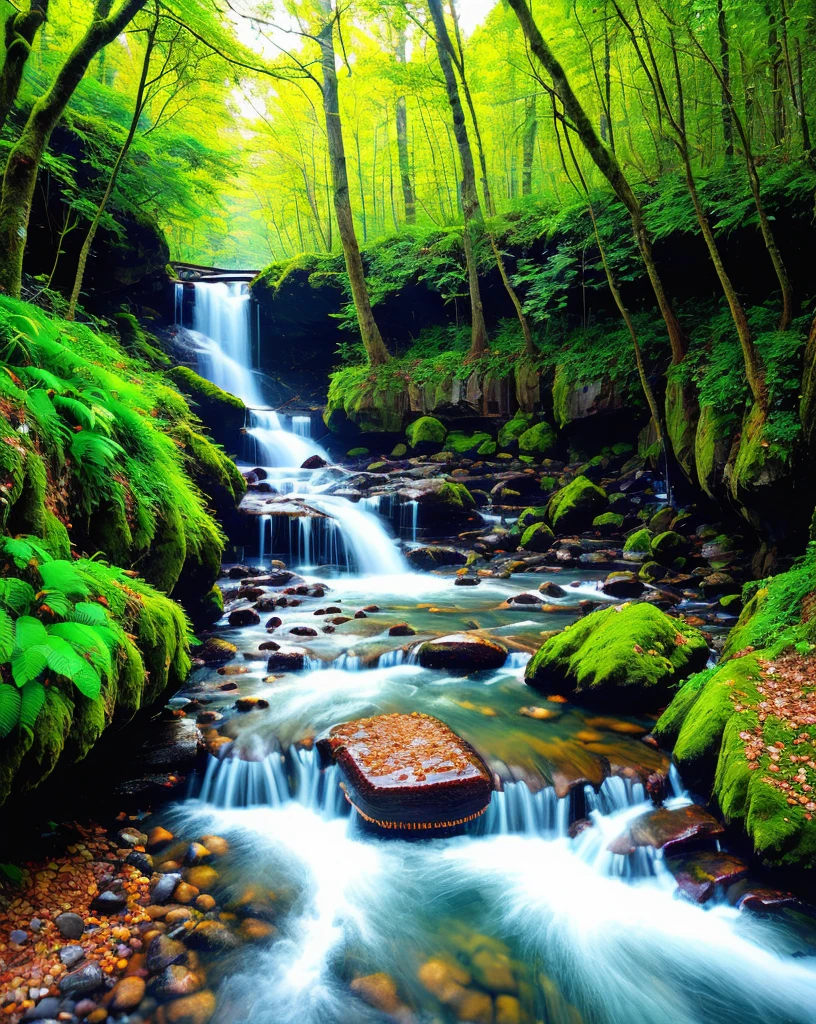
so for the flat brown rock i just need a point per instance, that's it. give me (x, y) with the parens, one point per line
(667, 829)
(409, 771)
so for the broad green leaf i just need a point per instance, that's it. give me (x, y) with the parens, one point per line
(62, 575)
(9, 708)
(88, 682)
(29, 632)
(28, 664)
(6, 635)
(33, 698)
(16, 595)
(90, 614)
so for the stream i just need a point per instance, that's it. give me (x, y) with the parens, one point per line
(521, 918)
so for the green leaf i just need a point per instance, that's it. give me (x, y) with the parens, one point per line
(33, 699)
(56, 601)
(62, 658)
(6, 636)
(29, 632)
(87, 639)
(80, 413)
(61, 575)
(19, 551)
(16, 595)
(28, 664)
(88, 682)
(9, 708)
(90, 614)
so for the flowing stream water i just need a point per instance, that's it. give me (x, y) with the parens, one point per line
(519, 919)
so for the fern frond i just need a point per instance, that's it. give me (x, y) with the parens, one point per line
(9, 708)
(32, 701)
(62, 575)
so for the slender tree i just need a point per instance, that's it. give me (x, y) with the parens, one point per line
(20, 178)
(403, 156)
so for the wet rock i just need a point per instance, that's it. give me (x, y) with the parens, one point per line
(212, 936)
(196, 853)
(45, 1009)
(71, 955)
(82, 981)
(18, 937)
(143, 862)
(402, 629)
(109, 902)
(552, 590)
(668, 829)
(164, 887)
(409, 771)
(379, 991)
(158, 837)
(127, 993)
(194, 1009)
(185, 893)
(314, 462)
(699, 875)
(623, 584)
(462, 652)
(303, 631)
(242, 617)
(253, 930)
(202, 876)
(289, 659)
(718, 584)
(176, 981)
(164, 951)
(434, 557)
(215, 651)
(251, 704)
(70, 926)
(467, 581)
(131, 837)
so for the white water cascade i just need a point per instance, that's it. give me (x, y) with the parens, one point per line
(221, 318)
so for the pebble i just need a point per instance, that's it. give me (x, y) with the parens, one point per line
(164, 887)
(162, 952)
(18, 937)
(71, 955)
(127, 993)
(48, 1007)
(70, 926)
(109, 902)
(158, 837)
(81, 981)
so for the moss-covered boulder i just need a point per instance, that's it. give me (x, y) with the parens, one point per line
(534, 514)
(608, 521)
(539, 440)
(576, 505)
(638, 546)
(513, 430)
(223, 413)
(743, 731)
(669, 545)
(538, 537)
(487, 448)
(462, 444)
(682, 412)
(443, 504)
(628, 658)
(716, 430)
(425, 430)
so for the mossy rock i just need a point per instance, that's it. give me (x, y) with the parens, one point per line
(669, 545)
(534, 514)
(425, 430)
(399, 451)
(539, 440)
(576, 505)
(487, 448)
(638, 545)
(538, 537)
(376, 467)
(651, 572)
(137, 342)
(513, 430)
(548, 484)
(461, 443)
(612, 519)
(359, 453)
(628, 658)
(223, 413)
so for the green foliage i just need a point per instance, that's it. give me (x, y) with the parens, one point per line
(576, 505)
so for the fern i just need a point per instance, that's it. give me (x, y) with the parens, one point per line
(27, 665)
(10, 702)
(89, 614)
(87, 640)
(82, 415)
(29, 632)
(16, 595)
(22, 551)
(6, 636)
(61, 575)
(32, 701)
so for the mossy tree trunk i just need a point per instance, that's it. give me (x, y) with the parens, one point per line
(84, 252)
(20, 178)
(20, 29)
(607, 163)
(470, 198)
(369, 331)
(528, 145)
(403, 157)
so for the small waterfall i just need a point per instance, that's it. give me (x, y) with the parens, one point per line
(516, 810)
(409, 519)
(517, 660)
(178, 305)
(302, 426)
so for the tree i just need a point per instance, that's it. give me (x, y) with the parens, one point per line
(20, 177)
(20, 29)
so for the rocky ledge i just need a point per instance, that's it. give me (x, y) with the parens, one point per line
(409, 772)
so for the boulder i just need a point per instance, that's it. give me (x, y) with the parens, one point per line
(538, 440)
(667, 830)
(425, 430)
(538, 537)
(623, 584)
(575, 506)
(443, 504)
(215, 651)
(462, 652)
(434, 557)
(626, 657)
(409, 772)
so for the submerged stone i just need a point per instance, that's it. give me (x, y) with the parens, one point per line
(462, 652)
(409, 771)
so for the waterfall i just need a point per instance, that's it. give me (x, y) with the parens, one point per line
(222, 319)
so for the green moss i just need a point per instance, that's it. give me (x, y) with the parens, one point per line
(614, 519)
(360, 453)
(534, 514)
(548, 484)
(399, 451)
(137, 342)
(538, 537)
(681, 423)
(204, 392)
(639, 542)
(376, 467)
(55, 536)
(669, 545)
(513, 430)
(425, 430)
(456, 495)
(487, 448)
(629, 656)
(576, 505)
(539, 440)
(457, 441)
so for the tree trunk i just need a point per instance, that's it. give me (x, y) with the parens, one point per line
(84, 252)
(402, 143)
(20, 30)
(528, 145)
(20, 178)
(470, 197)
(369, 331)
(725, 85)
(607, 164)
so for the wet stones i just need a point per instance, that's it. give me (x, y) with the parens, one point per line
(109, 902)
(462, 652)
(215, 651)
(70, 926)
(435, 557)
(163, 952)
(243, 617)
(409, 771)
(668, 829)
(287, 659)
(78, 983)
(164, 888)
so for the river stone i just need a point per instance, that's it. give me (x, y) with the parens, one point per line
(195, 1009)
(127, 993)
(164, 951)
(175, 981)
(70, 926)
(81, 981)
(669, 829)
(71, 955)
(409, 771)
(700, 875)
(215, 651)
(211, 936)
(165, 886)
(289, 659)
(143, 862)
(244, 617)
(109, 902)
(435, 557)
(45, 1009)
(462, 652)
